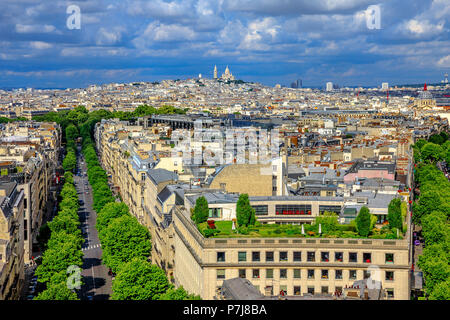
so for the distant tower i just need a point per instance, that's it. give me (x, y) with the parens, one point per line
(385, 86)
(215, 72)
(446, 78)
(329, 86)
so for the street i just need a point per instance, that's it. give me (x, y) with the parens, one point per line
(96, 281)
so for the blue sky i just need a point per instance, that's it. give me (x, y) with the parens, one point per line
(268, 41)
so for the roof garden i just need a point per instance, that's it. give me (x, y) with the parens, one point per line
(224, 229)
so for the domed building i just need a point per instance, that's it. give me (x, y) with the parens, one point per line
(425, 99)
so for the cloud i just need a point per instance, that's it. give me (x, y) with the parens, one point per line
(40, 45)
(444, 62)
(109, 37)
(21, 28)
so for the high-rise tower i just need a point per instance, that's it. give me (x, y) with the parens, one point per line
(215, 72)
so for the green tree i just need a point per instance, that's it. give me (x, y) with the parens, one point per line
(201, 210)
(109, 212)
(139, 280)
(123, 240)
(70, 161)
(394, 215)
(178, 294)
(441, 291)
(434, 265)
(58, 257)
(57, 291)
(328, 221)
(435, 228)
(245, 214)
(432, 152)
(363, 222)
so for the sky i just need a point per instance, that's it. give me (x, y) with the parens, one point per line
(266, 41)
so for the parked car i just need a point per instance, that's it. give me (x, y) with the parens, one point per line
(30, 297)
(417, 243)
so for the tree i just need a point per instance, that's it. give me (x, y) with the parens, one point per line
(435, 228)
(441, 291)
(57, 291)
(139, 280)
(245, 214)
(432, 152)
(70, 161)
(328, 221)
(201, 210)
(178, 294)
(123, 240)
(363, 222)
(58, 257)
(434, 264)
(65, 223)
(394, 216)
(109, 212)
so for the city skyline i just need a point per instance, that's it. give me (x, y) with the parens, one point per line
(261, 42)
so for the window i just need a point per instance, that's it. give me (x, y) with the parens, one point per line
(366, 274)
(269, 273)
(283, 273)
(325, 256)
(338, 257)
(311, 256)
(310, 274)
(283, 256)
(297, 256)
(297, 273)
(215, 213)
(269, 290)
(221, 256)
(311, 290)
(274, 188)
(390, 293)
(255, 256)
(261, 210)
(389, 258)
(25, 203)
(242, 256)
(367, 257)
(352, 274)
(255, 273)
(390, 275)
(335, 209)
(352, 257)
(324, 290)
(242, 273)
(338, 274)
(143, 176)
(220, 273)
(269, 256)
(324, 274)
(290, 209)
(297, 290)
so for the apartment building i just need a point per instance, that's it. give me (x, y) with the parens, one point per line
(11, 241)
(294, 266)
(29, 154)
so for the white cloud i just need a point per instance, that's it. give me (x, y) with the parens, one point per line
(109, 37)
(40, 45)
(444, 62)
(22, 28)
